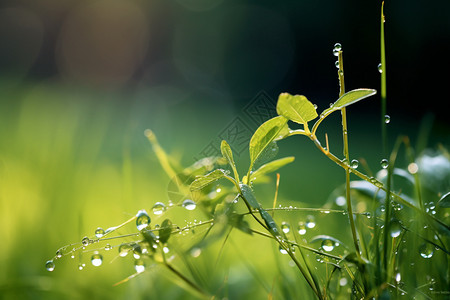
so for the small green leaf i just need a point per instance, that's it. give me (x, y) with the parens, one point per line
(165, 231)
(296, 108)
(444, 201)
(228, 154)
(202, 181)
(270, 131)
(271, 167)
(349, 98)
(248, 195)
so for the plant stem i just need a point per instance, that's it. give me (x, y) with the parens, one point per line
(383, 82)
(346, 155)
(186, 280)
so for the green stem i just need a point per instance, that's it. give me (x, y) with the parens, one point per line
(383, 83)
(346, 155)
(186, 280)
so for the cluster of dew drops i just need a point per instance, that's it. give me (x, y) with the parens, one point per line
(142, 221)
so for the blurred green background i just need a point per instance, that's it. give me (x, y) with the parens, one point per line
(80, 81)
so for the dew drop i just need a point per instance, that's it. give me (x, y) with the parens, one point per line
(58, 254)
(50, 265)
(282, 250)
(426, 250)
(108, 247)
(81, 266)
(139, 265)
(158, 208)
(336, 64)
(285, 227)
(340, 201)
(96, 259)
(310, 221)
(124, 249)
(354, 163)
(395, 229)
(387, 119)
(189, 204)
(336, 49)
(195, 252)
(85, 241)
(384, 163)
(327, 245)
(99, 232)
(413, 168)
(301, 228)
(380, 68)
(142, 220)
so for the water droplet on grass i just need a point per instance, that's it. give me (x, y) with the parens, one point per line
(426, 250)
(336, 64)
(142, 220)
(139, 265)
(108, 247)
(58, 254)
(96, 259)
(380, 68)
(282, 250)
(85, 241)
(354, 164)
(189, 204)
(395, 229)
(327, 245)
(301, 228)
(310, 221)
(387, 119)
(158, 208)
(99, 232)
(336, 49)
(124, 249)
(384, 163)
(50, 265)
(285, 227)
(81, 266)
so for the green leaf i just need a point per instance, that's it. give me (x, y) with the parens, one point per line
(348, 99)
(228, 154)
(444, 201)
(238, 221)
(248, 195)
(202, 181)
(270, 131)
(271, 167)
(296, 108)
(165, 231)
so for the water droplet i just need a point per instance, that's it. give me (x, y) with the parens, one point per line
(108, 247)
(336, 49)
(50, 265)
(195, 252)
(315, 106)
(310, 221)
(380, 68)
(340, 201)
(413, 168)
(158, 208)
(282, 250)
(85, 241)
(124, 249)
(96, 259)
(395, 229)
(426, 250)
(142, 220)
(301, 228)
(398, 277)
(285, 227)
(99, 232)
(343, 281)
(139, 265)
(336, 64)
(189, 204)
(354, 163)
(327, 245)
(387, 119)
(58, 254)
(81, 266)
(384, 163)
